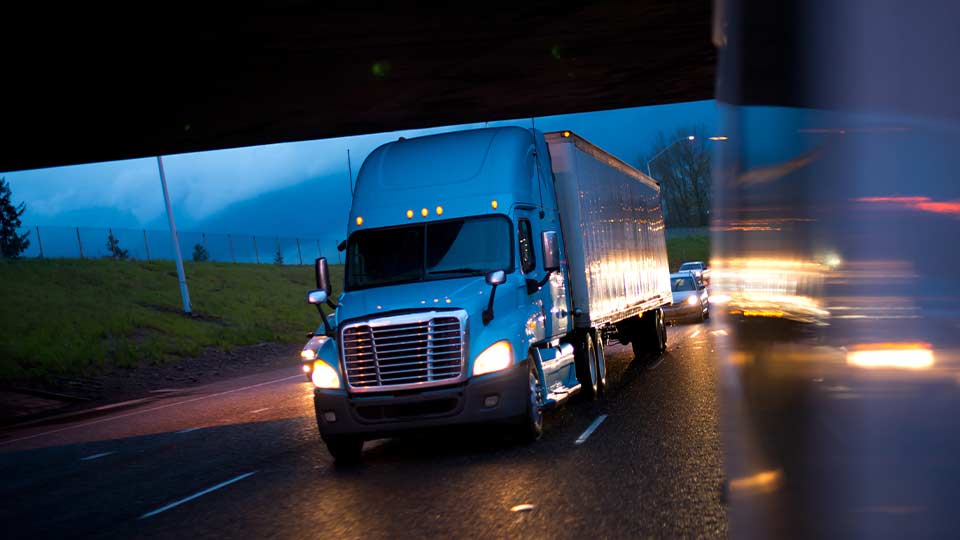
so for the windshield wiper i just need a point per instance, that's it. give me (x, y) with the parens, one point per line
(458, 271)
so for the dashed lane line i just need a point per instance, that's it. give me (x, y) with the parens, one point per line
(177, 503)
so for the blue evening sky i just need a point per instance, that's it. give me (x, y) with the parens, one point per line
(291, 189)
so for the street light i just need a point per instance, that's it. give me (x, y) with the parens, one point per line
(688, 138)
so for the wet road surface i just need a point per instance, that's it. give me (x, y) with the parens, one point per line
(243, 459)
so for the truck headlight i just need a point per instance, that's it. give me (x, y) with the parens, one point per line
(324, 376)
(308, 354)
(494, 358)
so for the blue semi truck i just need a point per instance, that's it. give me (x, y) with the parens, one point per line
(484, 272)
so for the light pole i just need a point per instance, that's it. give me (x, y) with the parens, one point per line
(688, 138)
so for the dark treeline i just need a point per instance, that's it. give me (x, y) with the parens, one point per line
(682, 166)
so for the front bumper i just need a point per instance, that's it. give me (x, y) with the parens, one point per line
(682, 311)
(380, 415)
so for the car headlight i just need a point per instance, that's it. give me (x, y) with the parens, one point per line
(324, 376)
(494, 358)
(692, 300)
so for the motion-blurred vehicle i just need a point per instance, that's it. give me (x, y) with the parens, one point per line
(690, 298)
(484, 271)
(699, 269)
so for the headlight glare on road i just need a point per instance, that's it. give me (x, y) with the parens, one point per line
(324, 376)
(692, 300)
(494, 358)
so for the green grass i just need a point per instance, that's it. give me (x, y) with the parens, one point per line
(690, 248)
(64, 317)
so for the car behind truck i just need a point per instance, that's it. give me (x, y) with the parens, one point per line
(484, 272)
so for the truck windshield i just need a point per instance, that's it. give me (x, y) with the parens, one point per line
(441, 250)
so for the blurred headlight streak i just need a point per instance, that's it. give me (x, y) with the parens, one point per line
(891, 356)
(762, 482)
(771, 287)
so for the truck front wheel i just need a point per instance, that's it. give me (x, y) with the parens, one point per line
(345, 449)
(530, 426)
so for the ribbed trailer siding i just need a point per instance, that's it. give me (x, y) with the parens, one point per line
(613, 228)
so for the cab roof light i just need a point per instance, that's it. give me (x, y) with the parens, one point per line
(424, 212)
(359, 221)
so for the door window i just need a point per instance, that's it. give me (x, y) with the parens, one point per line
(528, 259)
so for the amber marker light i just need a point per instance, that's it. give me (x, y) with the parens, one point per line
(409, 214)
(424, 212)
(359, 221)
(566, 133)
(439, 210)
(494, 204)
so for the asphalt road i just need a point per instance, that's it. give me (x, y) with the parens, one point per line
(243, 459)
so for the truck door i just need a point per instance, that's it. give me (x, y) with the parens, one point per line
(551, 298)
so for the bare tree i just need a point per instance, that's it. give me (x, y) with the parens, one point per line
(682, 166)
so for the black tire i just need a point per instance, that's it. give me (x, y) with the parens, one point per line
(662, 331)
(702, 316)
(345, 449)
(585, 358)
(530, 426)
(601, 368)
(650, 336)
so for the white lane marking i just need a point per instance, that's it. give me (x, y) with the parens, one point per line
(695, 334)
(260, 410)
(596, 423)
(197, 494)
(133, 413)
(121, 404)
(96, 456)
(188, 430)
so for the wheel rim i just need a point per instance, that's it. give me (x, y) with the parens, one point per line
(592, 354)
(601, 367)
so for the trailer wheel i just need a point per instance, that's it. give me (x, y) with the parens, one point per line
(585, 358)
(601, 369)
(345, 450)
(530, 427)
(650, 335)
(662, 332)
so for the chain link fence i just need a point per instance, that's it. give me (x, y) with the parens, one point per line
(146, 244)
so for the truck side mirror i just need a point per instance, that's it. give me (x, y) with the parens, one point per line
(317, 297)
(322, 275)
(551, 251)
(496, 277)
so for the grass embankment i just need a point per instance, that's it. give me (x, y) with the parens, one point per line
(689, 248)
(64, 317)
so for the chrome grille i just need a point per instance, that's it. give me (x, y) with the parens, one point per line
(415, 350)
